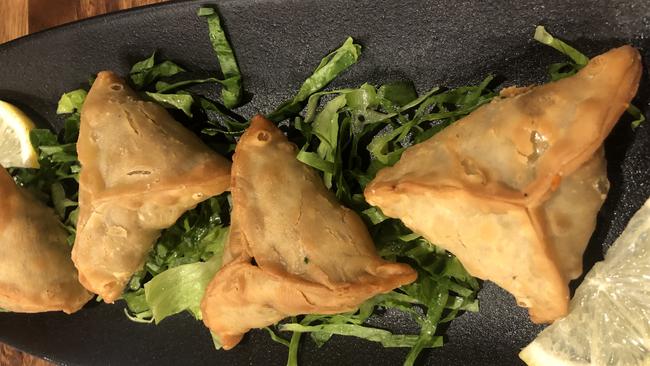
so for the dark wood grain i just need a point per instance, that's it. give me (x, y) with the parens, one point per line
(21, 17)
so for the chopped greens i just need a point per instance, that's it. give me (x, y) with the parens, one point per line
(387, 126)
(541, 35)
(232, 92)
(56, 182)
(163, 87)
(277, 338)
(72, 101)
(181, 288)
(637, 116)
(386, 338)
(183, 261)
(153, 79)
(329, 68)
(147, 71)
(182, 101)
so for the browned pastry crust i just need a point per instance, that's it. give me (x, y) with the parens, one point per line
(312, 255)
(514, 188)
(141, 170)
(36, 272)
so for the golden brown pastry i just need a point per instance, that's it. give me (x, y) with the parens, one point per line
(513, 189)
(141, 170)
(36, 273)
(311, 255)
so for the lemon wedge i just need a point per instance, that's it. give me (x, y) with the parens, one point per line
(16, 150)
(609, 317)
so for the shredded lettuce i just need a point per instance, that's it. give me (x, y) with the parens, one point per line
(164, 87)
(144, 65)
(541, 35)
(71, 102)
(232, 91)
(276, 338)
(637, 116)
(147, 71)
(386, 338)
(182, 288)
(56, 182)
(329, 68)
(216, 341)
(294, 344)
(182, 101)
(183, 261)
(385, 124)
(171, 86)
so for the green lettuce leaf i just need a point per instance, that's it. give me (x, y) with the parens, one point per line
(542, 36)
(180, 101)
(56, 182)
(71, 102)
(163, 87)
(637, 116)
(232, 91)
(182, 288)
(384, 337)
(144, 65)
(232, 124)
(329, 68)
(276, 338)
(183, 261)
(147, 71)
(216, 341)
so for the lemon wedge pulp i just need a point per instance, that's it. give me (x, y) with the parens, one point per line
(16, 150)
(609, 317)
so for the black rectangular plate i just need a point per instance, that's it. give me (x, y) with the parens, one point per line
(278, 43)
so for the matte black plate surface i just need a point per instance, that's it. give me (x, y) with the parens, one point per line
(278, 43)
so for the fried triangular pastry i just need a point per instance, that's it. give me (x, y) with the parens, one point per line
(140, 171)
(293, 249)
(36, 272)
(514, 188)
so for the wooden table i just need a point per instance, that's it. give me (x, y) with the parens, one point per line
(21, 17)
